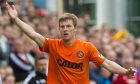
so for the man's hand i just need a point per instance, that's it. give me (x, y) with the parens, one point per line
(11, 9)
(131, 72)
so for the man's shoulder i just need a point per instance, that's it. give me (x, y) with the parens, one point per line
(86, 43)
(52, 40)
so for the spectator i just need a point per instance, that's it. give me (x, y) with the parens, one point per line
(19, 62)
(3, 47)
(9, 70)
(9, 79)
(39, 75)
(137, 65)
(2, 73)
(105, 77)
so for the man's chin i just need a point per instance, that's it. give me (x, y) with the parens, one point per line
(66, 39)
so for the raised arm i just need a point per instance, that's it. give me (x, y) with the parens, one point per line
(116, 68)
(27, 29)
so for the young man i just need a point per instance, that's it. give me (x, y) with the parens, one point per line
(39, 75)
(69, 56)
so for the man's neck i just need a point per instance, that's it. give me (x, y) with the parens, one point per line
(70, 42)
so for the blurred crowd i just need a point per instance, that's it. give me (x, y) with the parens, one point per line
(18, 52)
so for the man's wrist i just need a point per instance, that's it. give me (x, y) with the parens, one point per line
(14, 19)
(125, 72)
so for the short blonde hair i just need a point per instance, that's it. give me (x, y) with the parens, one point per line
(69, 16)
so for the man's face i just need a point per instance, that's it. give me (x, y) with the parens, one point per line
(67, 29)
(41, 66)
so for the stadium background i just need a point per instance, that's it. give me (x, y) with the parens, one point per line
(112, 25)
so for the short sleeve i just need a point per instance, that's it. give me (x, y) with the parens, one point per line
(95, 56)
(45, 48)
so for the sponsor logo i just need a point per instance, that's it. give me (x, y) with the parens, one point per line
(69, 64)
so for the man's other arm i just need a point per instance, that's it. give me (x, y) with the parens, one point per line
(116, 68)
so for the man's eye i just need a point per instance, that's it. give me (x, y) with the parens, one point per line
(68, 25)
(62, 26)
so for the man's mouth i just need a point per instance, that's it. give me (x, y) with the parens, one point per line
(65, 34)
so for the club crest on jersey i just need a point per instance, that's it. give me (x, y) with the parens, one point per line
(80, 54)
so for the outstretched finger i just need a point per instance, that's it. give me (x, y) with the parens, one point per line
(132, 70)
(7, 5)
(11, 4)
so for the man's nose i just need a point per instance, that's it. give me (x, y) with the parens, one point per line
(65, 28)
(44, 67)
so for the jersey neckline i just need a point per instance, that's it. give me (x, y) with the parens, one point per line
(72, 46)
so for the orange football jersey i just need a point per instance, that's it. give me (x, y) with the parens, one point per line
(70, 64)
